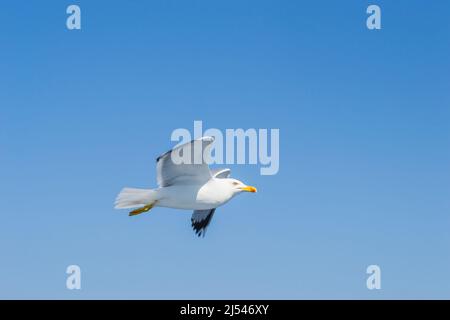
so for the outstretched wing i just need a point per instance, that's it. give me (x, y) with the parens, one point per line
(189, 164)
(200, 221)
(221, 173)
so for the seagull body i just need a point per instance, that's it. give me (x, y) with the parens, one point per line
(189, 185)
(210, 195)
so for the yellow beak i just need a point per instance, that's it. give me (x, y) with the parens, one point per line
(249, 189)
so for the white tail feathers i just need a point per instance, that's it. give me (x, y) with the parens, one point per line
(132, 197)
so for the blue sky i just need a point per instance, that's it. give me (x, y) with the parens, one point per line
(364, 147)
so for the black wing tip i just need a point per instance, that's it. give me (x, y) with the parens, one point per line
(201, 226)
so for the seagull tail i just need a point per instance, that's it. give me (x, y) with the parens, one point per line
(132, 198)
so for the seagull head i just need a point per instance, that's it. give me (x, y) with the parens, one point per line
(238, 186)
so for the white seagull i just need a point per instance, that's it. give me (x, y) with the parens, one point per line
(188, 186)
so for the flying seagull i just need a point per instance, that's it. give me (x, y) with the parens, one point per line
(188, 185)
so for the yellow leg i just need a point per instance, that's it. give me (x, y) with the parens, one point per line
(142, 209)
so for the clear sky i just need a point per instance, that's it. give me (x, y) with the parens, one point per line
(364, 147)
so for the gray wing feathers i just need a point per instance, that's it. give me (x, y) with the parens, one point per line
(169, 172)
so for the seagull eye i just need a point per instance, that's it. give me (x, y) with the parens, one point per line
(235, 183)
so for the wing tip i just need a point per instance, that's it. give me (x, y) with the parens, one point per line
(207, 138)
(221, 173)
(200, 226)
(204, 138)
(163, 155)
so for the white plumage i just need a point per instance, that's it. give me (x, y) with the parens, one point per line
(189, 185)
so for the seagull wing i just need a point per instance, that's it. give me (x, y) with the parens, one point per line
(169, 172)
(221, 173)
(200, 221)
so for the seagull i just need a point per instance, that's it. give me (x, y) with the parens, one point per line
(187, 185)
